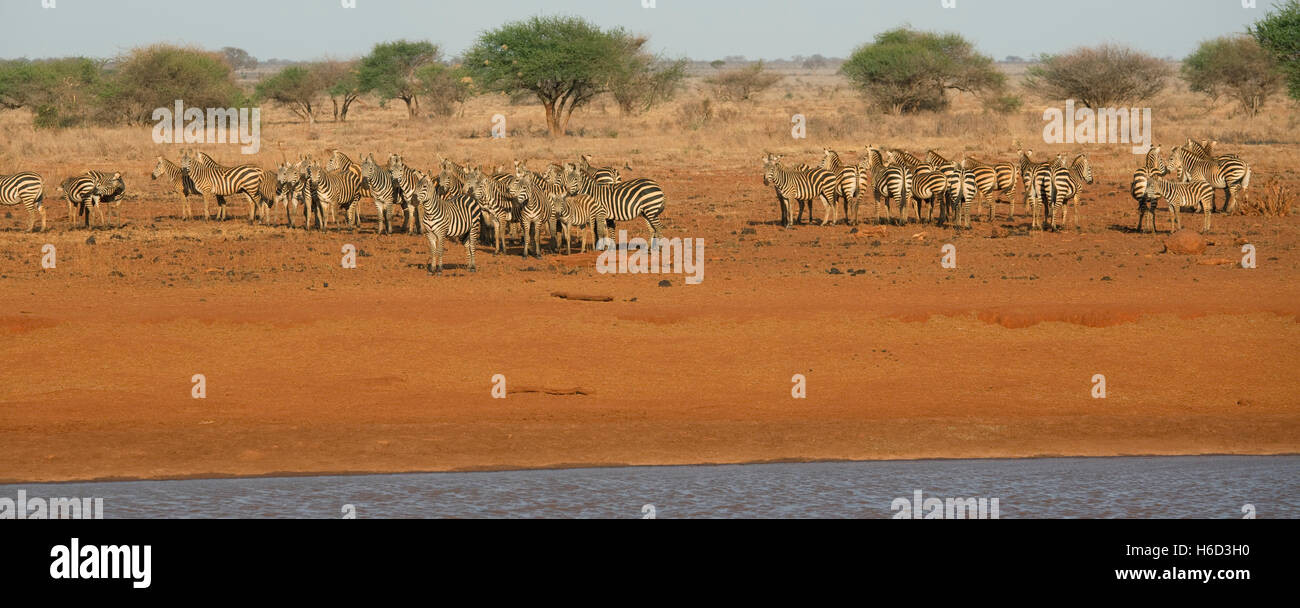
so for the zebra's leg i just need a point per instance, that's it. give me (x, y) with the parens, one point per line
(469, 246)
(1206, 228)
(434, 255)
(1078, 219)
(1174, 224)
(524, 253)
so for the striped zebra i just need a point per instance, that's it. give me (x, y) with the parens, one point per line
(405, 183)
(79, 190)
(888, 183)
(1146, 203)
(270, 194)
(26, 189)
(929, 185)
(962, 191)
(997, 181)
(286, 184)
(1229, 173)
(578, 211)
(1152, 165)
(603, 175)
(383, 189)
(498, 208)
(621, 202)
(342, 162)
(936, 160)
(1180, 195)
(335, 189)
(175, 180)
(109, 191)
(454, 217)
(537, 208)
(1079, 172)
(802, 185)
(215, 180)
(848, 183)
(1030, 171)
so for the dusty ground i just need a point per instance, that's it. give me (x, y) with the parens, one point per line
(314, 368)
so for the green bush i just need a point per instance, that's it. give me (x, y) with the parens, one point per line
(907, 71)
(1236, 67)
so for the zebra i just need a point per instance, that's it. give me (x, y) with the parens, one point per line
(848, 182)
(578, 210)
(1179, 195)
(212, 179)
(177, 181)
(623, 201)
(897, 156)
(28, 189)
(340, 189)
(1080, 172)
(929, 185)
(891, 183)
(286, 190)
(269, 194)
(405, 182)
(603, 175)
(383, 189)
(1146, 204)
(455, 217)
(1152, 165)
(962, 190)
(537, 208)
(108, 189)
(802, 185)
(498, 207)
(1227, 172)
(79, 190)
(997, 180)
(342, 162)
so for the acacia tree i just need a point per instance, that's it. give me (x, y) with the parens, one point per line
(1235, 66)
(1102, 76)
(343, 85)
(564, 61)
(1279, 34)
(390, 71)
(644, 79)
(296, 87)
(155, 76)
(444, 86)
(905, 70)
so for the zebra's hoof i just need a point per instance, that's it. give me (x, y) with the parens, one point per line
(473, 268)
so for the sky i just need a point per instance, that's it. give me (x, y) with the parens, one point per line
(697, 29)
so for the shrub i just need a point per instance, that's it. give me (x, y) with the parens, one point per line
(1103, 76)
(1236, 67)
(907, 71)
(742, 84)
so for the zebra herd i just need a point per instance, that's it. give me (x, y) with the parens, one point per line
(454, 202)
(1199, 172)
(900, 183)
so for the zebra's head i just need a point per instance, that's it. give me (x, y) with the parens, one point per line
(396, 165)
(159, 169)
(554, 174)
(369, 168)
(113, 186)
(771, 163)
(424, 189)
(572, 179)
(1177, 156)
(520, 185)
(286, 174)
(1084, 167)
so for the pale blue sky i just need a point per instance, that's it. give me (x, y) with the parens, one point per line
(699, 29)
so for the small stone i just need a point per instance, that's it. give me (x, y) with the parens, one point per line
(665, 283)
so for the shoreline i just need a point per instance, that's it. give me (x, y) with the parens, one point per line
(598, 466)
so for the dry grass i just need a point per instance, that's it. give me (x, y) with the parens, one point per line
(1273, 200)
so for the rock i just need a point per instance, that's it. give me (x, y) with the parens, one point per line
(90, 240)
(665, 283)
(1185, 242)
(748, 231)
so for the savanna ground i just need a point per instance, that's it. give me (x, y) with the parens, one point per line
(313, 368)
